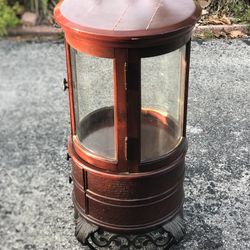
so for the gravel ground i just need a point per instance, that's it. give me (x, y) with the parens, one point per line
(35, 198)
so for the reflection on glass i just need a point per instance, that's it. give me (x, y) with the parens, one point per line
(93, 102)
(163, 82)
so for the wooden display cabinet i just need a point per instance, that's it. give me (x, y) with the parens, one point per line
(128, 68)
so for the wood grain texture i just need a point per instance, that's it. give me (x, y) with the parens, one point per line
(125, 23)
(128, 15)
(128, 202)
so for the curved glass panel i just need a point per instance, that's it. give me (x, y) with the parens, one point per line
(94, 103)
(163, 83)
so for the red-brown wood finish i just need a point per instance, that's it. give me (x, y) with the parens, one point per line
(133, 102)
(127, 194)
(188, 49)
(121, 21)
(132, 202)
(70, 91)
(120, 108)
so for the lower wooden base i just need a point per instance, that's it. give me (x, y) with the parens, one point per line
(161, 238)
(129, 203)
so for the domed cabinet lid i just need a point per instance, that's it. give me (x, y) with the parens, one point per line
(126, 18)
(130, 22)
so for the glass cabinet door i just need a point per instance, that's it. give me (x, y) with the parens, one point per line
(94, 103)
(162, 86)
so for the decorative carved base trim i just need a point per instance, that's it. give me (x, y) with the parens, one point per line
(83, 228)
(161, 238)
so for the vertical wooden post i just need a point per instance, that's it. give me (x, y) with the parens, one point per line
(120, 108)
(127, 88)
(188, 49)
(133, 90)
(70, 89)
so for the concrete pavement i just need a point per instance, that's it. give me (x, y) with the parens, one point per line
(36, 211)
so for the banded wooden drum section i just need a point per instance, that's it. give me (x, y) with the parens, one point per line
(128, 64)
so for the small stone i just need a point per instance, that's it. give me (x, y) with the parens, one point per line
(29, 247)
(205, 12)
(210, 190)
(212, 184)
(204, 3)
(29, 19)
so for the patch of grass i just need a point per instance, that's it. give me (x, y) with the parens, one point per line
(8, 17)
(203, 35)
(248, 27)
(208, 34)
(237, 9)
(241, 11)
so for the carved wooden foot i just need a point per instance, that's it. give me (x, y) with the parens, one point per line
(176, 228)
(161, 238)
(83, 228)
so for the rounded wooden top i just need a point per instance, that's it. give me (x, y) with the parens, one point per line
(126, 18)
